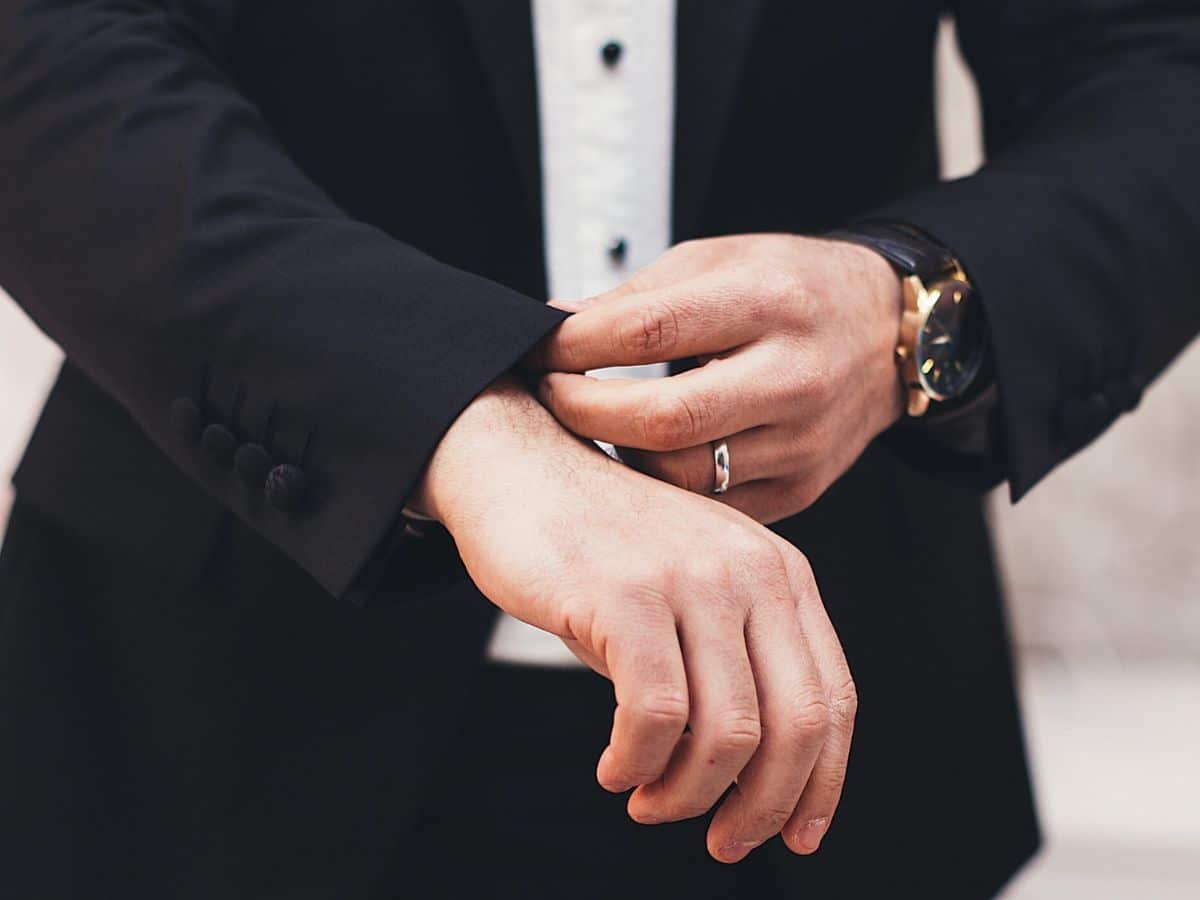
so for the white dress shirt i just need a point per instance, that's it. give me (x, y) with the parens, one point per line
(606, 98)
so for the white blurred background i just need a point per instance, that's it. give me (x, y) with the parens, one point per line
(1102, 569)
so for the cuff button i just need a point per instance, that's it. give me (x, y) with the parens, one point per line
(219, 443)
(285, 487)
(252, 462)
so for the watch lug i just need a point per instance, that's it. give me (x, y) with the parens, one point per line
(918, 403)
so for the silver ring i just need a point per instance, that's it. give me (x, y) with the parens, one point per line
(721, 460)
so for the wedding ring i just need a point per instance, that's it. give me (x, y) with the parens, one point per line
(721, 460)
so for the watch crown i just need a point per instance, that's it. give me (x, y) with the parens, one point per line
(901, 355)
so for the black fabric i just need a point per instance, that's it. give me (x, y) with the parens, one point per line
(230, 731)
(516, 795)
(318, 227)
(517, 792)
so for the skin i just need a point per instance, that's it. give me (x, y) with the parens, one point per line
(702, 618)
(796, 338)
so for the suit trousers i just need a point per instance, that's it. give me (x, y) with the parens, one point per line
(515, 810)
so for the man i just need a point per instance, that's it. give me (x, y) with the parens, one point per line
(294, 254)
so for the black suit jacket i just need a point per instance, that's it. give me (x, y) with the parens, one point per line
(316, 229)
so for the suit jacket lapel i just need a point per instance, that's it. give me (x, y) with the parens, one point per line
(710, 44)
(502, 31)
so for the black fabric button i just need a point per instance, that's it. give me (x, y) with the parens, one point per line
(252, 462)
(186, 417)
(285, 488)
(611, 53)
(617, 248)
(219, 443)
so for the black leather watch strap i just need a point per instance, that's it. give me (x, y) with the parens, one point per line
(907, 248)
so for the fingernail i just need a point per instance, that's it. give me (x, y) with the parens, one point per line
(809, 834)
(736, 850)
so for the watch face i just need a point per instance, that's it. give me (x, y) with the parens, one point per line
(950, 345)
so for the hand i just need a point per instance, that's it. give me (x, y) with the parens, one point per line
(796, 336)
(700, 617)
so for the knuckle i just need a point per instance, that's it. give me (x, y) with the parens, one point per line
(768, 818)
(830, 784)
(711, 578)
(766, 559)
(798, 567)
(738, 735)
(778, 285)
(764, 562)
(632, 772)
(811, 721)
(670, 423)
(654, 330)
(812, 377)
(844, 701)
(664, 707)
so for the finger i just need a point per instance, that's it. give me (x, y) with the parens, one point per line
(634, 328)
(756, 454)
(658, 274)
(650, 683)
(795, 722)
(684, 410)
(724, 726)
(814, 813)
(577, 304)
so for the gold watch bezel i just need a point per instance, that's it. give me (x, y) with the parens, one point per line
(919, 299)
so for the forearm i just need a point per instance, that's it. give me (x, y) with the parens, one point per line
(1077, 232)
(157, 230)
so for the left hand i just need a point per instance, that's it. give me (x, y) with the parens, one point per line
(795, 336)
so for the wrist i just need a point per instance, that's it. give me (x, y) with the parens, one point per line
(477, 457)
(883, 289)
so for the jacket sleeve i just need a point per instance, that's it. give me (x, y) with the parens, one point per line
(152, 226)
(1082, 231)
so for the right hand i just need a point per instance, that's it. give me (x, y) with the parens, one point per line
(702, 618)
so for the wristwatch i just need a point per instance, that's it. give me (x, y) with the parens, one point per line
(943, 328)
